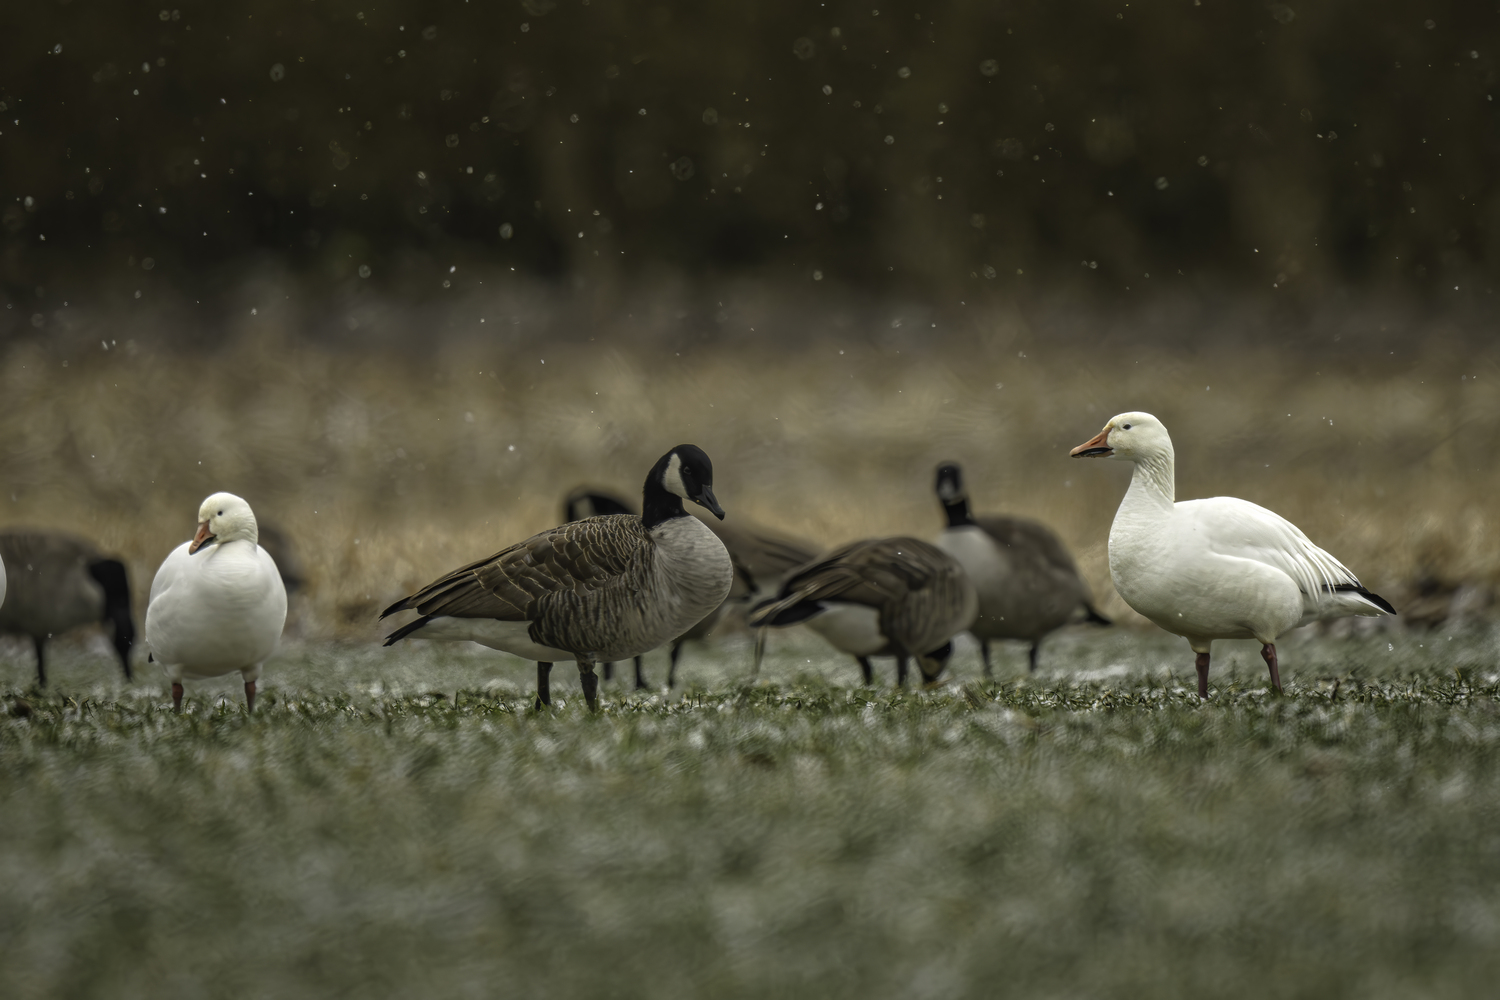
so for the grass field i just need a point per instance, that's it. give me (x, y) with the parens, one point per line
(401, 823)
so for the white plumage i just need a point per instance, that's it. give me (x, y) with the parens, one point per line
(1220, 568)
(217, 603)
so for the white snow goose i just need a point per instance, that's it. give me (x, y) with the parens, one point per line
(217, 603)
(1219, 568)
(603, 589)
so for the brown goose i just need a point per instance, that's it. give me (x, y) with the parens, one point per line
(58, 582)
(601, 589)
(760, 558)
(898, 597)
(1028, 585)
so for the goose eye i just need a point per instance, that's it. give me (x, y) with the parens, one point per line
(1123, 427)
(221, 513)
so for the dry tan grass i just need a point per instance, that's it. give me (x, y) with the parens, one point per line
(388, 468)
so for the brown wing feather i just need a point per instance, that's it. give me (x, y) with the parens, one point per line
(512, 584)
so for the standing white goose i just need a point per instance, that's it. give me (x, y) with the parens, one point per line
(598, 590)
(1219, 568)
(217, 603)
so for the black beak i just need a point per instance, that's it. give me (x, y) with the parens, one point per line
(705, 498)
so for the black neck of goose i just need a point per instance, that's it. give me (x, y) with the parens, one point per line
(657, 505)
(958, 512)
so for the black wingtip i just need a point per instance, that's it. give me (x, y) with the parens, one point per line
(405, 630)
(766, 613)
(400, 605)
(1375, 599)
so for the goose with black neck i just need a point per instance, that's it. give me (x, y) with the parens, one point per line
(602, 589)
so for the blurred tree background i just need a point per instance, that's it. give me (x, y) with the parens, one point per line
(923, 148)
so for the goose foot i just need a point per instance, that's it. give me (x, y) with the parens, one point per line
(249, 696)
(590, 682)
(1268, 653)
(176, 697)
(1203, 676)
(984, 653)
(543, 688)
(866, 669)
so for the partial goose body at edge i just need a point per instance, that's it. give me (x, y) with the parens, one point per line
(215, 611)
(51, 591)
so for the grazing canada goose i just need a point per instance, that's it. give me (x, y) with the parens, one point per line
(1028, 585)
(59, 582)
(1220, 568)
(217, 603)
(896, 597)
(760, 558)
(601, 589)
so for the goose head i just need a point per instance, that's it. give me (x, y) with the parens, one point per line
(1133, 436)
(687, 472)
(224, 517)
(950, 483)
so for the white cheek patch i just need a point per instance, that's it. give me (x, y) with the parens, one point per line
(671, 479)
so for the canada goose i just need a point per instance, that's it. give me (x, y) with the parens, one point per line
(585, 502)
(1027, 583)
(760, 558)
(896, 597)
(1220, 568)
(217, 603)
(601, 589)
(59, 582)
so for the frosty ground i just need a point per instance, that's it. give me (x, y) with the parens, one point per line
(395, 821)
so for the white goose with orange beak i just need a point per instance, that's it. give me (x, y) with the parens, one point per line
(217, 603)
(1219, 568)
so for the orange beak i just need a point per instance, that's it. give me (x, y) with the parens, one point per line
(1095, 447)
(201, 539)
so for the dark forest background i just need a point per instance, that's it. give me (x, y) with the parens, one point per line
(927, 149)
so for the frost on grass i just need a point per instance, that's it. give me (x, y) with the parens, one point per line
(395, 823)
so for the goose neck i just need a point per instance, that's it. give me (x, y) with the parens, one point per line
(958, 512)
(1153, 482)
(657, 504)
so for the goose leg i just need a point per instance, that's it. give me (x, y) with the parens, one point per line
(760, 652)
(1268, 653)
(672, 669)
(609, 671)
(866, 669)
(901, 668)
(176, 696)
(1202, 665)
(249, 696)
(984, 653)
(41, 661)
(640, 677)
(1031, 657)
(590, 682)
(543, 688)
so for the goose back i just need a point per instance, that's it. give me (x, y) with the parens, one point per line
(921, 594)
